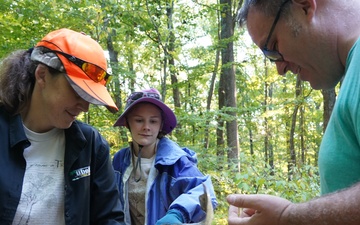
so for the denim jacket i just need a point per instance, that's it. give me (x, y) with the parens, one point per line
(92, 199)
(174, 182)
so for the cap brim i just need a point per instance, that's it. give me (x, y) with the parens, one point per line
(96, 91)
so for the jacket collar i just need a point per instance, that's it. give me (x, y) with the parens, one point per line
(17, 133)
(75, 135)
(75, 142)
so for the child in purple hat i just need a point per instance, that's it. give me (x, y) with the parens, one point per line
(159, 181)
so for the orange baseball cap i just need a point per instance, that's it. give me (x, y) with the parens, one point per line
(83, 61)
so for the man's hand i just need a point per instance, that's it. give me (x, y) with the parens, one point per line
(256, 209)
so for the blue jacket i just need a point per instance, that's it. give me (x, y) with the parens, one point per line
(91, 199)
(174, 182)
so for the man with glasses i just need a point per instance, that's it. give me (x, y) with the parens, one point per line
(319, 41)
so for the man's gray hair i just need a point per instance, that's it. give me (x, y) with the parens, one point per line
(268, 7)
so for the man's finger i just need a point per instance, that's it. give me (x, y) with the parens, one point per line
(245, 201)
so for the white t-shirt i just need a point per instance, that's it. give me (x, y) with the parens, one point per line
(42, 197)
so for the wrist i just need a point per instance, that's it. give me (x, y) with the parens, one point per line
(287, 215)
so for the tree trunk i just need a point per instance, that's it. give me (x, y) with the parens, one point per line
(209, 98)
(292, 152)
(268, 148)
(116, 81)
(228, 81)
(171, 48)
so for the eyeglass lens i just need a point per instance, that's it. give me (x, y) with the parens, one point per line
(274, 55)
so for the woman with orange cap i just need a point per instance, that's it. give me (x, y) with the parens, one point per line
(159, 181)
(53, 168)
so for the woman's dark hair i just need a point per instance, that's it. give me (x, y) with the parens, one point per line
(17, 80)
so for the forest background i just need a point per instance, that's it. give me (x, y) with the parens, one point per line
(253, 130)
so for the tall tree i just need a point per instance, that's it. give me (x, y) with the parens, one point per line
(227, 98)
(292, 151)
(268, 95)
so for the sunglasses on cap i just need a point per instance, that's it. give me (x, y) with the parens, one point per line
(93, 71)
(138, 95)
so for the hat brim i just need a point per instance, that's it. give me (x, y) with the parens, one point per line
(169, 120)
(94, 89)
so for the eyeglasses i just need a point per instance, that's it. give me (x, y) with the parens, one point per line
(93, 71)
(137, 95)
(274, 55)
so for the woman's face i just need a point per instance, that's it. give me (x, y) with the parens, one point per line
(54, 103)
(145, 122)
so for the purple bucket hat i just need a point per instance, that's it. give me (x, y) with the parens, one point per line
(152, 96)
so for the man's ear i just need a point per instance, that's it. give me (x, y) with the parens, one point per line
(40, 74)
(307, 6)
